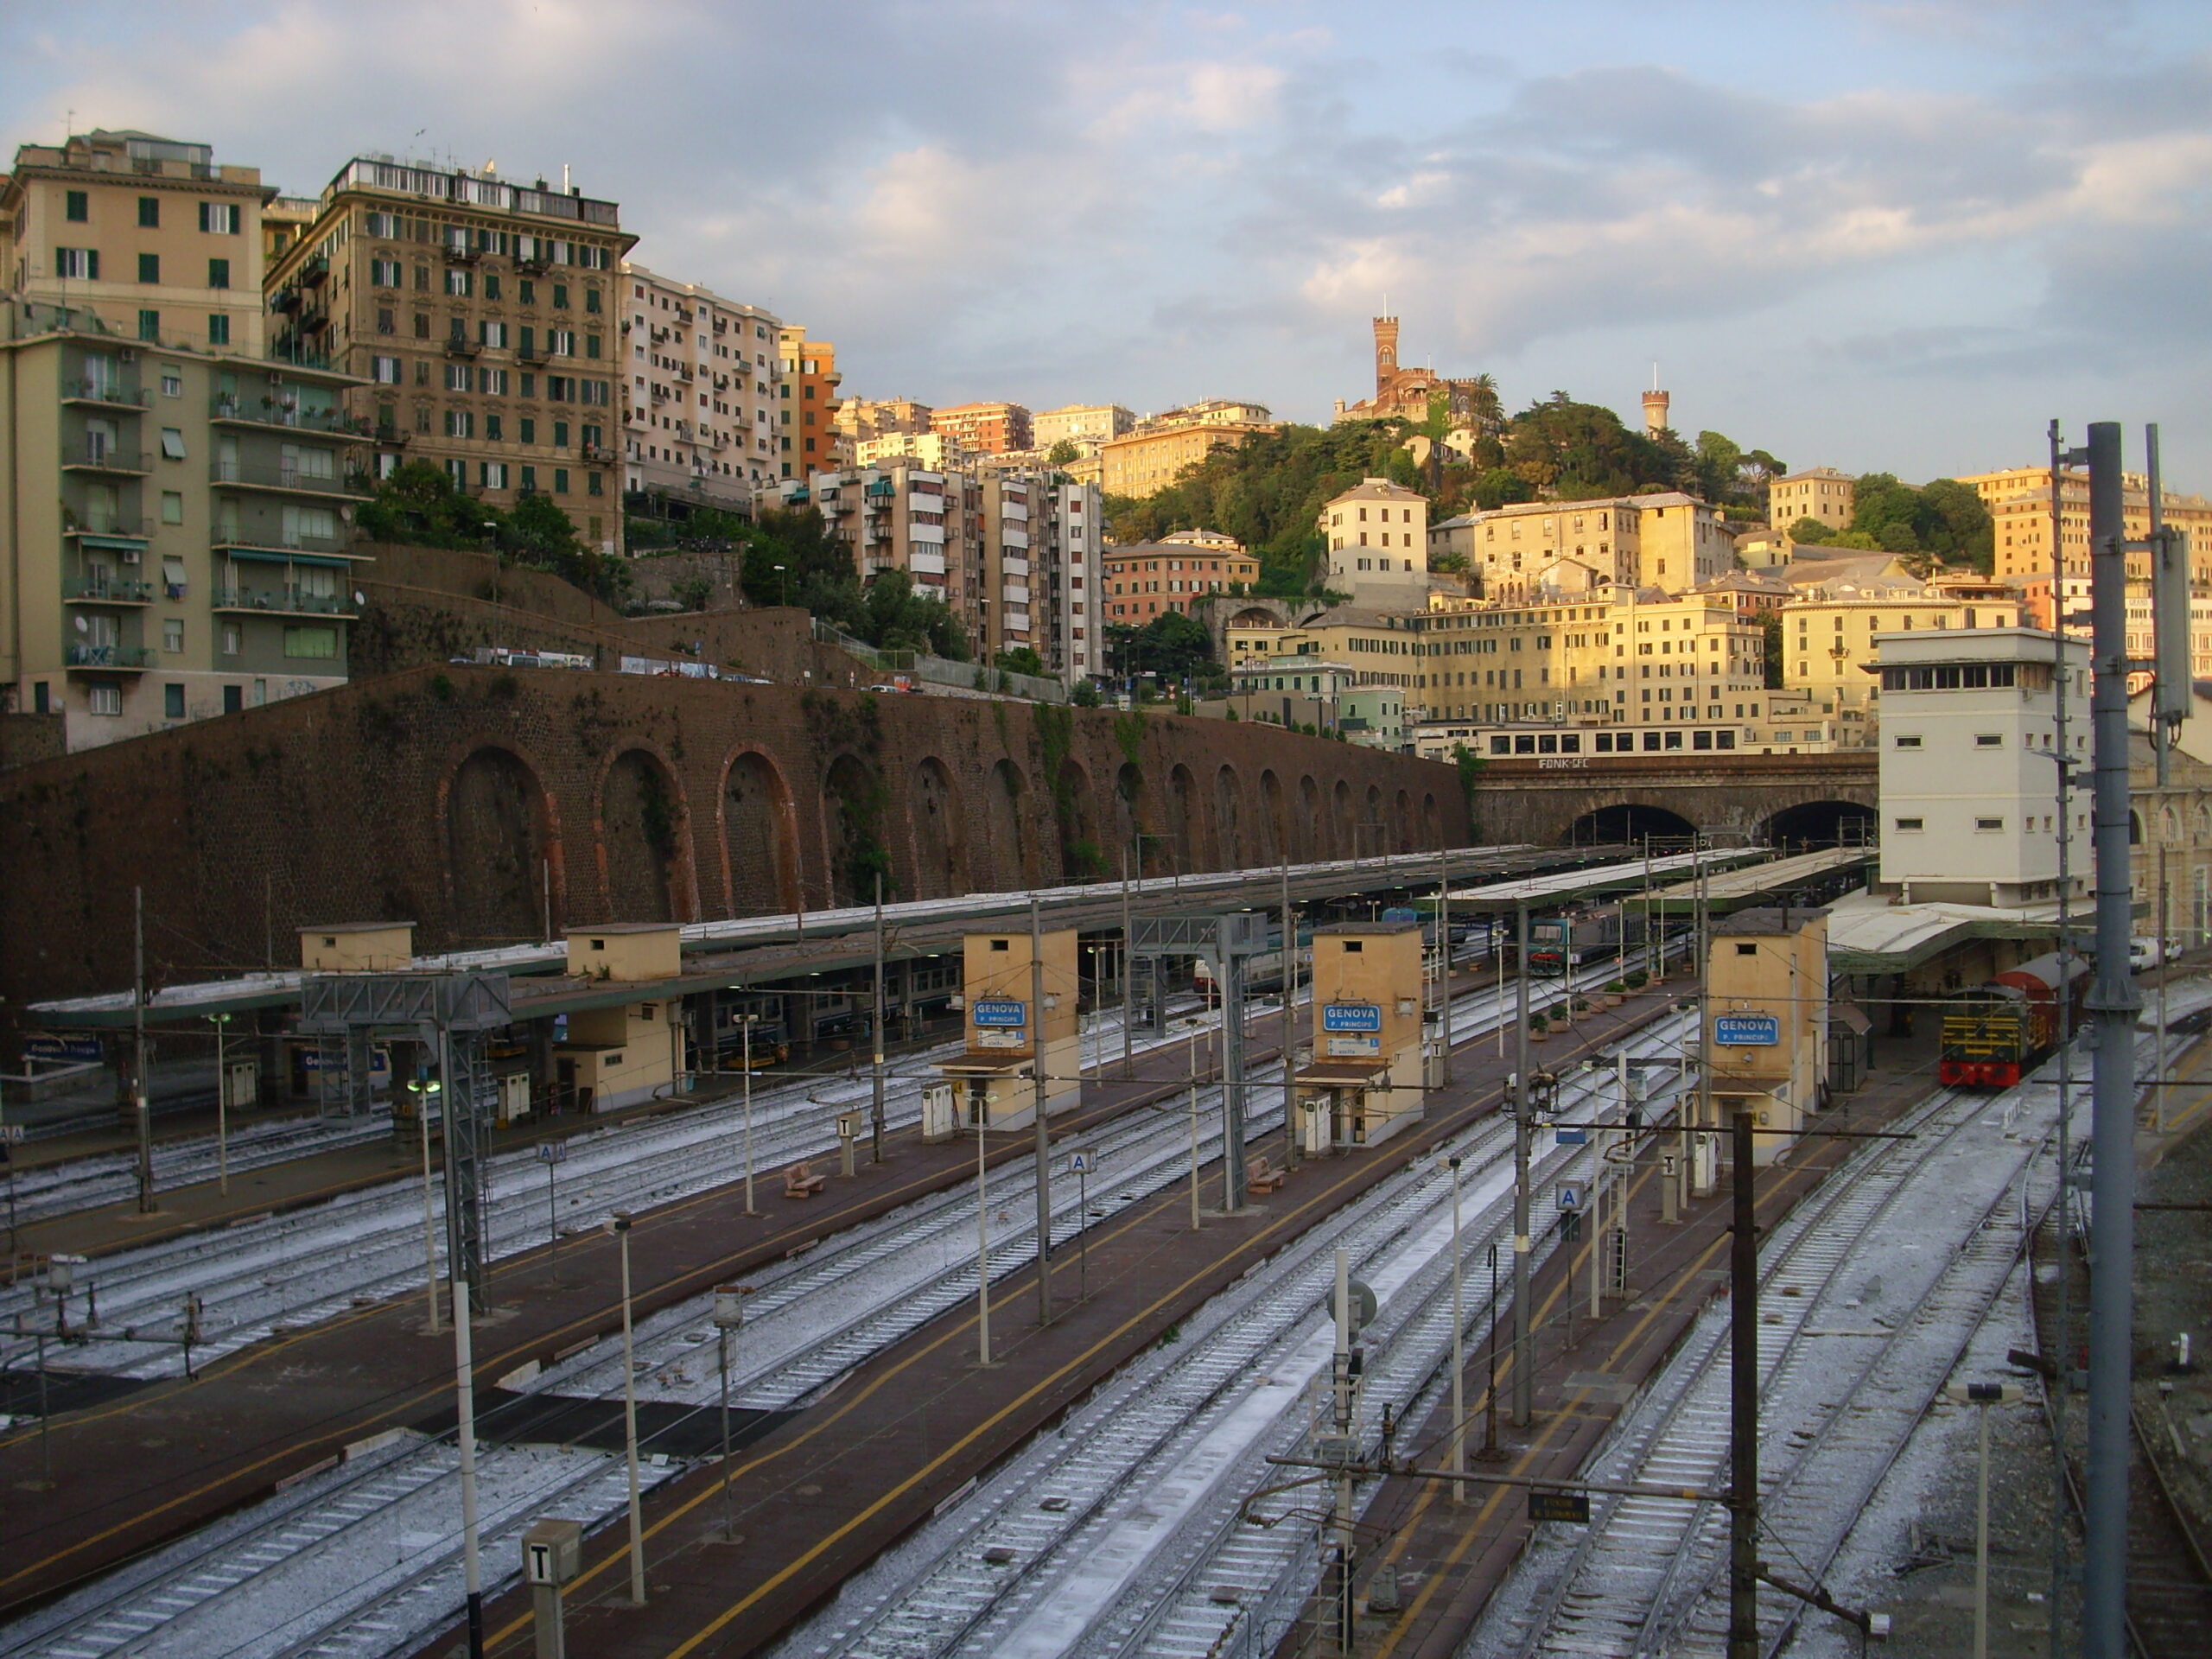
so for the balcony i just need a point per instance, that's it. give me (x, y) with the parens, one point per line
(82, 457)
(106, 590)
(132, 658)
(535, 351)
(682, 371)
(533, 265)
(391, 436)
(314, 272)
(103, 394)
(599, 454)
(117, 527)
(278, 412)
(267, 476)
(284, 601)
(457, 253)
(461, 346)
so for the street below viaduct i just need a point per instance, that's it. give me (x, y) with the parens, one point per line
(1550, 800)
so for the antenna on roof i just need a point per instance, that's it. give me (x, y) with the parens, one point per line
(1655, 375)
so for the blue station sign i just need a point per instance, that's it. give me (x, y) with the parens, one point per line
(1351, 1016)
(1746, 1029)
(1000, 1011)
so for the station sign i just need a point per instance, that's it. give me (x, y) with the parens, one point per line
(1082, 1163)
(1000, 1011)
(63, 1050)
(1568, 1134)
(1569, 1198)
(1746, 1029)
(1351, 1016)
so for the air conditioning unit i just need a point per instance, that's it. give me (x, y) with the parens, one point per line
(128, 354)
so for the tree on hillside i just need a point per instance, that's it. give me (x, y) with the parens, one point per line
(1945, 519)
(1173, 646)
(1063, 452)
(418, 504)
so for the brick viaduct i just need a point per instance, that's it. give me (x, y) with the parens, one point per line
(474, 800)
(1599, 797)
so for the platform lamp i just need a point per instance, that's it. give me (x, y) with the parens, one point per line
(618, 1225)
(222, 1106)
(425, 1089)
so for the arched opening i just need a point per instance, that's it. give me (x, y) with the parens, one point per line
(934, 819)
(1820, 823)
(1186, 834)
(1628, 825)
(1143, 852)
(1371, 838)
(1081, 858)
(1227, 819)
(497, 841)
(853, 805)
(1345, 838)
(1307, 836)
(1255, 616)
(642, 840)
(1403, 821)
(1002, 809)
(757, 837)
(1270, 830)
(1432, 823)
(2134, 828)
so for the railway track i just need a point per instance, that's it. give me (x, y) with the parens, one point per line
(1120, 1533)
(263, 1584)
(1870, 1291)
(2169, 1576)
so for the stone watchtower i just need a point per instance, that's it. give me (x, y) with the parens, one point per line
(1386, 354)
(1655, 411)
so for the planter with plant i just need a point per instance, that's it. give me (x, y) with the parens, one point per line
(1615, 990)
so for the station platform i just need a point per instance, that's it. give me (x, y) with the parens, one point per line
(822, 1494)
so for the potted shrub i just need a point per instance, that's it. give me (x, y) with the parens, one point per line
(1637, 979)
(1615, 990)
(1582, 1005)
(1539, 1028)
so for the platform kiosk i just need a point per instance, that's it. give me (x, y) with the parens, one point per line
(357, 947)
(1364, 1083)
(993, 1075)
(631, 1048)
(345, 1076)
(1767, 1002)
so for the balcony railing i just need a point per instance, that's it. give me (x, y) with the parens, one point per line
(129, 657)
(133, 530)
(284, 601)
(598, 452)
(263, 412)
(105, 392)
(107, 590)
(277, 476)
(106, 458)
(313, 269)
(461, 346)
(278, 541)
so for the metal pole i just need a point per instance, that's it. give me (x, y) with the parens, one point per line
(1459, 1349)
(2114, 1004)
(465, 1401)
(223, 1110)
(1231, 982)
(748, 1057)
(729, 1516)
(1289, 1031)
(1129, 1010)
(1191, 1048)
(1344, 1419)
(2159, 1088)
(429, 1201)
(629, 1419)
(983, 1109)
(1743, 1406)
(142, 1090)
(1981, 1540)
(1083, 1234)
(1490, 1454)
(875, 1024)
(1524, 1390)
(1444, 964)
(2062, 1343)
(1040, 1136)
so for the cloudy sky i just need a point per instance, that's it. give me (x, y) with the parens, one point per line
(1874, 235)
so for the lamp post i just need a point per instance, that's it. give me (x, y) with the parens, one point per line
(729, 1316)
(1459, 1347)
(751, 1019)
(783, 586)
(465, 1437)
(618, 1225)
(1982, 1395)
(222, 1108)
(425, 1089)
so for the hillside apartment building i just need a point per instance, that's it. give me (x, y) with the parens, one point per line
(479, 321)
(700, 390)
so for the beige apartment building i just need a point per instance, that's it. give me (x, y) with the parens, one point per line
(1669, 540)
(1087, 425)
(861, 418)
(808, 439)
(1821, 493)
(700, 392)
(1157, 452)
(480, 322)
(1377, 534)
(2018, 499)
(1044, 573)
(177, 526)
(147, 234)
(1828, 638)
(939, 451)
